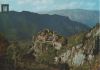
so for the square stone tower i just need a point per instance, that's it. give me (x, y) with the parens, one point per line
(4, 7)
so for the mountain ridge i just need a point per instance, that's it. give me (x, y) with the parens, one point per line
(25, 24)
(88, 17)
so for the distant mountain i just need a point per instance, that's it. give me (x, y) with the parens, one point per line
(23, 25)
(87, 17)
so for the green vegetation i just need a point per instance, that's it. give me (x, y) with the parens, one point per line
(76, 39)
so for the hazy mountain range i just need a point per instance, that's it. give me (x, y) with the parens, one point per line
(23, 25)
(88, 17)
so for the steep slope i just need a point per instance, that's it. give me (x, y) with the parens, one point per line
(87, 17)
(85, 53)
(22, 25)
(91, 41)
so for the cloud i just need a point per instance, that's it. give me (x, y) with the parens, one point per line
(36, 5)
(46, 5)
(3, 1)
(35, 2)
(78, 5)
(24, 1)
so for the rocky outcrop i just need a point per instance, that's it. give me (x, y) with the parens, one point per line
(84, 52)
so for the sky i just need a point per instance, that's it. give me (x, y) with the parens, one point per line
(48, 5)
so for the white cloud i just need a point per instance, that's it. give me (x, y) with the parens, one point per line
(35, 2)
(36, 5)
(76, 5)
(24, 1)
(43, 5)
(69, 5)
(3, 1)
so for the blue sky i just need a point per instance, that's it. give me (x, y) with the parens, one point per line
(47, 5)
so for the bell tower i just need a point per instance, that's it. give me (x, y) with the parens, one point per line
(4, 7)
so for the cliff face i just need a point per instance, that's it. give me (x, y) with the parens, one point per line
(85, 51)
(91, 40)
(91, 46)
